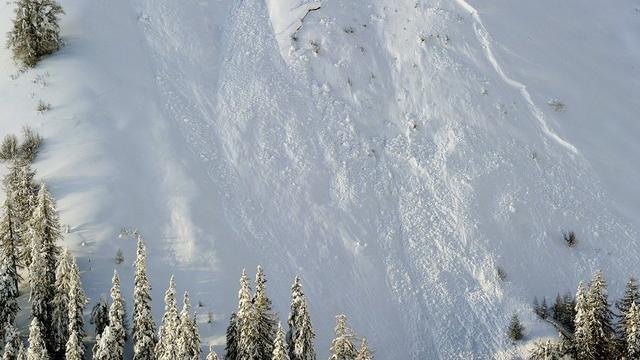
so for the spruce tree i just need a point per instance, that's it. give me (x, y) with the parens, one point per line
(75, 309)
(342, 347)
(22, 190)
(107, 346)
(279, 346)
(10, 241)
(67, 299)
(632, 331)
(12, 343)
(582, 324)
(36, 30)
(144, 328)
(74, 349)
(166, 348)
(45, 226)
(364, 353)
(631, 296)
(231, 347)
(188, 337)
(42, 293)
(266, 321)
(516, 330)
(22, 352)
(37, 347)
(100, 316)
(248, 323)
(601, 317)
(212, 354)
(117, 319)
(300, 336)
(544, 308)
(8, 293)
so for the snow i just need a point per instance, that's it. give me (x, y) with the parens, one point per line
(394, 170)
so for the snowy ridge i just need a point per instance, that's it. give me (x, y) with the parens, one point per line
(384, 155)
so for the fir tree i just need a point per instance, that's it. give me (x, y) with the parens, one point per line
(12, 344)
(107, 346)
(8, 293)
(45, 226)
(342, 347)
(22, 191)
(22, 352)
(279, 346)
(569, 312)
(231, 347)
(600, 313)
(37, 347)
(42, 293)
(10, 241)
(117, 319)
(189, 339)
(544, 308)
(212, 354)
(167, 348)
(631, 296)
(144, 328)
(69, 300)
(265, 318)
(36, 30)
(364, 353)
(536, 306)
(74, 349)
(582, 334)
(248, 323)
(632, 331)
(300, 336)
(75, 309)
(100, 316)
(516, 330)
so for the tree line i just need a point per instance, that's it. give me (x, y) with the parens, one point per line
(589, 328)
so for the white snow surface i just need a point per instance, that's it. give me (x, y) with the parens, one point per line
(394, 170)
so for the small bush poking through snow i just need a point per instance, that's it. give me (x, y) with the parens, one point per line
(30, 144)
(502, 275)
(570, 238)
(557, 105)
(119, 257)
(9, 148)
(43, 106)
(315, 46)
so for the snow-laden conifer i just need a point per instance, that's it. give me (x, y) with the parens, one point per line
(363, 352)
(300, 336)
(232, 338)
(600, 317)
(342, 347)
(167, 347)
(107, 346)
(8, 293)
(582, 323)
(144, 328)
(42, 293)
(45, 226)
(631, 295)
(280, 351)
(36, 30)
(212, 354)
(100, 315)
(10, 241)
(37, 347)
(74, 349)
(188, 336)
(77, 302)
(117, 318)
(22, 191)
(12, 343)
(266, 320)
(65, 272)
(632, 331)
(248, 323)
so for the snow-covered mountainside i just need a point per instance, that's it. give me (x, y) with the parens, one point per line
(393, 153)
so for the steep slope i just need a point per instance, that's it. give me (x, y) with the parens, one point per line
(393, 153)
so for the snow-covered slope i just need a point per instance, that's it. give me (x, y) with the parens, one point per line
(393, 153)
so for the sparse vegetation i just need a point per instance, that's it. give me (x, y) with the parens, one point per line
(315, 46)
(9, 148)
(31, 143)
(502, 274)
(570, 238)
(516, 330)
(43, 106)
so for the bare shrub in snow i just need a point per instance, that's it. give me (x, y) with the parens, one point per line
(502, 275)
(570, 238)
(36, 30)
(315, 46)
(557, 105)
(349, 29)
(9, 148)
(30, 144)
(43, 106)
